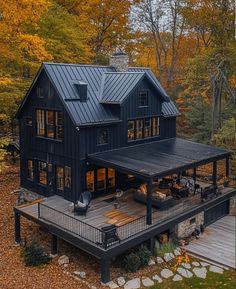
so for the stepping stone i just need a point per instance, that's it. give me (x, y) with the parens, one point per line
(200, 272)
(195, 264)
(185, 272)
(204, 264)
(168, 256)
(216, 269)
(151, 262)
(177, 252)
(159, 260)
(177, 278)
(133, 284)
(112, 285)
(121, 281)
(166, 273)
(186, 265)
(147, 282)
(80, 274)
(157, 278)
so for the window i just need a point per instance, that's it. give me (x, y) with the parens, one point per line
(29, 121)
(90, 181)
(50, 123)
(143, 98)
(155, 126)
(60, 178)
(58, 124)
(40, 122)
(40, 92)
(139, 128)
(130, 130)
(42, 170)
(102, 136)
(111, 178)
(30, 171)
(101, 179)
(147, 128)
(67, 177)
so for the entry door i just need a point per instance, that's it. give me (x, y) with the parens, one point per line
(217, 212)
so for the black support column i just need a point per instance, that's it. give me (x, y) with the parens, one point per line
(227, 169)
(149, 202)
(194, 174)
(17, 228)
(215, 174)
(151, 245)
(54, 245)
(105, 270)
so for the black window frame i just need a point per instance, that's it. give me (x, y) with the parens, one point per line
(100, 137)
(130, 129)
(46, 170)
(143, 98)
(30, 170)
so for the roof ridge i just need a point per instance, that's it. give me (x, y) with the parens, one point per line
(124, 72)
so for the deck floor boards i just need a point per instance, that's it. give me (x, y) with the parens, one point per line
(217, 243)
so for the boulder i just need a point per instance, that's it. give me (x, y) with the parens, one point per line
(186, 265)
(112, 285)
(121, 281)
(80, 274)
(184, 272)
(147, 282)
(166, 273)
(151, 262)
(133, 284)
(168, 257)
(63, 260)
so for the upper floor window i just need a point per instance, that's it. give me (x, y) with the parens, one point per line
(30, 170)
(102, 136)
(131, 130)
(40, 92)
(49, 123)
(143, 98)
(42, 173)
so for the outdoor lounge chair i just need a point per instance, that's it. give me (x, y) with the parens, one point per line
(208, 192)
(109, 235)
(82, 205)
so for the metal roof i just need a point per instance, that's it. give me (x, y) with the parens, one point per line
(63, 76)
(160, 158)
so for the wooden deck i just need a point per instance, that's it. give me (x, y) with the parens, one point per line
(217, 244)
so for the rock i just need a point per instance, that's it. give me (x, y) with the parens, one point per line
(151, 262)
(147, 282)
(204, 264)
(216, 269)
(195, 264)
(168, 257)
(185, 272)
(80, 274)
(159, 260)
(200, 272)
(182, 243)
(166, 273)
(63, 260)
(157, 278)
(177, 252)
(177, 278)
(121, 281)
(112, 285)
(186, 265)
(133, 284)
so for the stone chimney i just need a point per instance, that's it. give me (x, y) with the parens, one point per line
(120, 61)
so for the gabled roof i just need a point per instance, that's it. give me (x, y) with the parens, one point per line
(64, 76)
(116, 86)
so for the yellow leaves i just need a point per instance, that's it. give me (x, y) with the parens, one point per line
(184, 258)
(5, 81)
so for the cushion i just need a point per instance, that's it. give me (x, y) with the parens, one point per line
(79, 204)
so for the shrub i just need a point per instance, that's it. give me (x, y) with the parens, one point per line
(132, 262)
(144, 255)
(34, 255)
(165, 248)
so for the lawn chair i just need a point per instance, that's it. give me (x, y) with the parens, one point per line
(82, 205)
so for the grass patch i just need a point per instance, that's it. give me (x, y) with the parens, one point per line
(227, 280)
(161, 249)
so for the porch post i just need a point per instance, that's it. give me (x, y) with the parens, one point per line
(215, 174)
(227, 166)
(17, 228)
(151, 245)
(149, 202)
(105, 270)
(54, 245)
(194, 174)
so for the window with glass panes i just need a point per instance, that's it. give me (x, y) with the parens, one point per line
(139, 128)
(102, 136)
(42, 173)
(111, 178)
(67, 177)
(30, 172)
(60, 178)
(143, 98)
(50, 124)
(155, 126)
(101, 179)
(147, 128)
(90, 181)
(130, 130)
(40, 122)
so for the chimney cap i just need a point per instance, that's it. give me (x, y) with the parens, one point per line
(119, 53)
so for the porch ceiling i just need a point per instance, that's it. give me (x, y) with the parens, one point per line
(158, 159)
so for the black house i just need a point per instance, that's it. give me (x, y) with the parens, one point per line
(97, 129)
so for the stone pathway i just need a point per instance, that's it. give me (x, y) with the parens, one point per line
(147, 282)
(166, 273)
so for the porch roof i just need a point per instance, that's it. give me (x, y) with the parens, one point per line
(158, 159)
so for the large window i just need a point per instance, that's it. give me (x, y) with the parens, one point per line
(90, 181)
(42, 173)
(111, 178)
(60, 178)
(40, 120)
(131, 130)
(49, 123)
(101, 179)
(102, 136)
(143, 128)
(143, 98)
(30, 170)
(67, 177)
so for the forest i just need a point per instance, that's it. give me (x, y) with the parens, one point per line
(189, 44)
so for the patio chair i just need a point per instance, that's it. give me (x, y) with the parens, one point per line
(208, 192)
(82, 205)
(109, 235)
